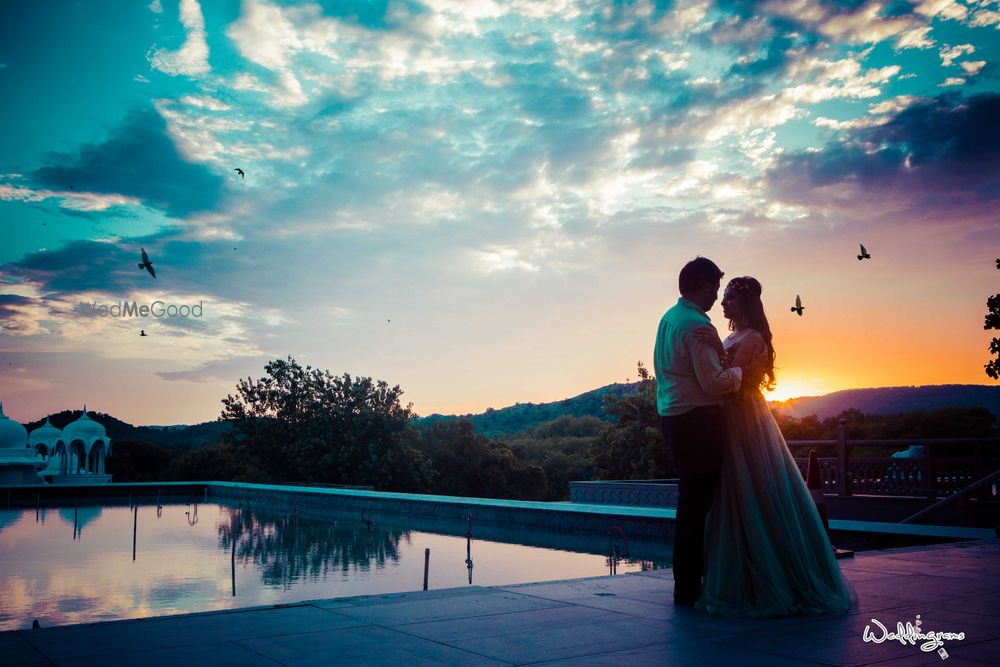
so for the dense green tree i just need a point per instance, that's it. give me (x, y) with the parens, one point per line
(307, 425)
(468, 464)
(561, 448)
(133, 461)
(806, 428)
(954, 422)
(993, 322)
(632, 447)
(216, 462)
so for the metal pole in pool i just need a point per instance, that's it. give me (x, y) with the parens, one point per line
(135, 524)
(427, 563)
(232, 559)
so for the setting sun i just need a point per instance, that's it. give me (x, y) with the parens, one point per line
(796, 389)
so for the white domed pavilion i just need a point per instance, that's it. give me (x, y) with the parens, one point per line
(18, 464)
(77, 454)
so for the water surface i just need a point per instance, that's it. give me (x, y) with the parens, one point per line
(65, 565)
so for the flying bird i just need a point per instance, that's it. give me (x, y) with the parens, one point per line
(864, 253)
(146, 264)
(142, 332)
(798, 307)
(998, 263)
(240, 172)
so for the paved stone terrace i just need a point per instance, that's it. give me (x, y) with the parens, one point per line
(622, 620)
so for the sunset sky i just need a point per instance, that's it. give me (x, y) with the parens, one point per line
(486, 202)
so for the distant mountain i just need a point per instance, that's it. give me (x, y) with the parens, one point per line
(880, 400)
(523, 416)
(889, 400)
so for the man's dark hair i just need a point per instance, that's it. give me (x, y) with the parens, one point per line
(698, 272)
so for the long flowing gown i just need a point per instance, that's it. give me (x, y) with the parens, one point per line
(767, 552)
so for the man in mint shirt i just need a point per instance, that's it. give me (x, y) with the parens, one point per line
(690, 383)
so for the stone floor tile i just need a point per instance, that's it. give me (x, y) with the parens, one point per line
(225, 654)
(639, 596)
(656, 654)
(510, 625)
(916, 588)
(988, 605)
(16, 651)
(649, 589)
(981, 654)
(487, 603)
(393, 598)
(554, 643)
(371, 646)
(133, 635)
(703, 654)
(986, 652)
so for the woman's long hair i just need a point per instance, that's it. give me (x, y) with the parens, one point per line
(747, 292)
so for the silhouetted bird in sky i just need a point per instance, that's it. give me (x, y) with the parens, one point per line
(146, 264)
(864, 253)
(998, 263)
(240, 172)
(142, 332)
(798, 307)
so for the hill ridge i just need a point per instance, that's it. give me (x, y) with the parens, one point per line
(524, 416)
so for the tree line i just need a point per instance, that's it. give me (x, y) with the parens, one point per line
(305, 425)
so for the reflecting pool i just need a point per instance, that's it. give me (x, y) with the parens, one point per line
(65, 565)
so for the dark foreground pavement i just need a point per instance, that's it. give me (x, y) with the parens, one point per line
(621, 620)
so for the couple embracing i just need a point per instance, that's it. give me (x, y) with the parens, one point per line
(765, 551)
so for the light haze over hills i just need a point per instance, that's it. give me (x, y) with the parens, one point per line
(522, 416)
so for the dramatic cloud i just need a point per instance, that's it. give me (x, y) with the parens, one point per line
(228, 370)
(513, 176)
(138, 160)
(191, 59)
(942, 154)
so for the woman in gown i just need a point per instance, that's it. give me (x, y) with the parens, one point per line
(767, 553)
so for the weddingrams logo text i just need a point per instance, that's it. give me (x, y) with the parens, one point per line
(911, 634)
(155, 309)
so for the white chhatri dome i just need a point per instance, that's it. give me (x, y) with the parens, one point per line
(45, 434)
(13, 435)
(84, 428)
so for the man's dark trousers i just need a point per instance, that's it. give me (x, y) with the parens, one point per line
(697, 439)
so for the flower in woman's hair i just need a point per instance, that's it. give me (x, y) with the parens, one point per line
(745, 284)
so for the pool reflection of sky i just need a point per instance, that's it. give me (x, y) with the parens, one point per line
(50, 576)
